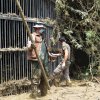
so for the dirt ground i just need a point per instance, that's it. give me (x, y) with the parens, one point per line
(79, 91)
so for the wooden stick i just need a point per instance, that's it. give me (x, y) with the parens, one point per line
(96, 80)
(30, 36)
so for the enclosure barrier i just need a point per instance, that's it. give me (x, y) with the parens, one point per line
(31, 8)
(14, 66)
(15, 70)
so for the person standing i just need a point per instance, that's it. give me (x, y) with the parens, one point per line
(37, 80)
(64, 65)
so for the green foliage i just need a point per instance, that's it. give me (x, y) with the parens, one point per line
(90, 37)
(60, 5)
(79, 21)
(90, 34)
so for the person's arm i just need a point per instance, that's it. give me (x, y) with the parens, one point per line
(54, 55)
(65, 57)
(29, 42)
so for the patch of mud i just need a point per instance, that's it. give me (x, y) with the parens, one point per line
(79, 91)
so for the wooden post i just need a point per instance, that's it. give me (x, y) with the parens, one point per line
(29, 34)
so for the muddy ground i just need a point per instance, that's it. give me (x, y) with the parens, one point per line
(81, 90)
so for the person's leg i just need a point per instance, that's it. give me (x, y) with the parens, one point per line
(35, 80)
(66, 74)
(56, 75)
(58, 69)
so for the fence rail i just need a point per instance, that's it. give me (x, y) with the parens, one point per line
(13, 49)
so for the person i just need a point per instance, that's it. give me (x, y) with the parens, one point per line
(37, 80)
(63, 67)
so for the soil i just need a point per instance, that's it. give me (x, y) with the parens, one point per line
(80, 90)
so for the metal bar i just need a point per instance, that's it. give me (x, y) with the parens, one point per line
(10, 77)
(5, 32)
(23, 65)
(18, 67)
(17, 64)
(6, 6)
(16, 31)
(37, 10)
(29, 8)
(0, 56)
(23, 5)
(11, 6)
(43, 9)
(3, 68)
(1, 78)
(31, 70)
(0, 33)
(21, 72)
(14, 7)
(15, 67)
(8, 66)
(18, 35)
(1, 5)
(12, 34)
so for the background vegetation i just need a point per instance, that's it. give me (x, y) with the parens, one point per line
(79, 22)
